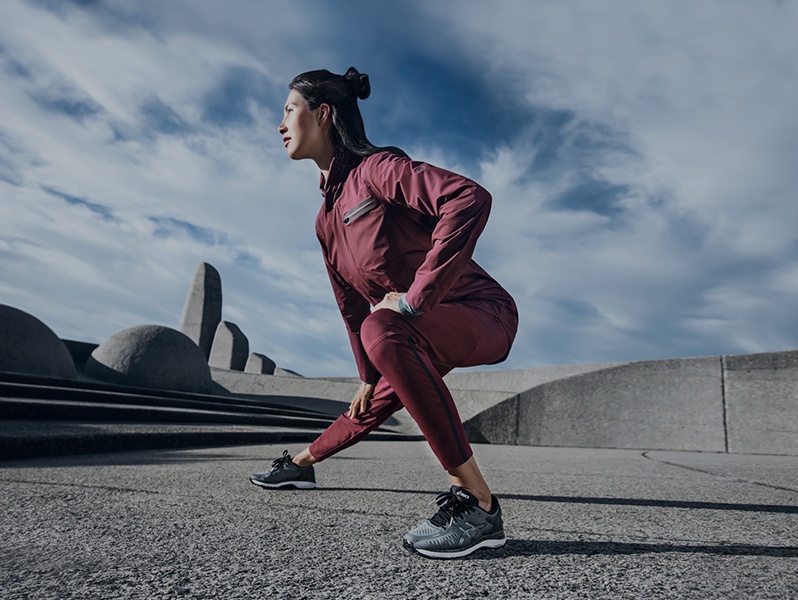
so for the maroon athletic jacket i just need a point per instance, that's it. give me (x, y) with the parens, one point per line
(390, 224)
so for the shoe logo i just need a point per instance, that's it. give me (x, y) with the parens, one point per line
(462, 494)
(471, 532)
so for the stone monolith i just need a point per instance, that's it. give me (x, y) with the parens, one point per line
(202, 312)
(260, 364)
(230, 348)
(278, 372)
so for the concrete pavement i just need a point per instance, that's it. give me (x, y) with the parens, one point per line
(582, 523)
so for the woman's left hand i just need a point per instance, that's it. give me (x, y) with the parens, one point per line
(360, 402)
(390, 301)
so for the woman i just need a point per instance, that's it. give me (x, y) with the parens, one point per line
(397, 237)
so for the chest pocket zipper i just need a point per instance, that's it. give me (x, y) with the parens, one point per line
(360, 210)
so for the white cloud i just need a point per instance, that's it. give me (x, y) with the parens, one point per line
(683, 112)
(702, 98)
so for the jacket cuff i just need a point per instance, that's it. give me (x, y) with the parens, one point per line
(407, 310)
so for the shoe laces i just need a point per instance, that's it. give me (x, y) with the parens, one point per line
(282, 462)
(450, 509)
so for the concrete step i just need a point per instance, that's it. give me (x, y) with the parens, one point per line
(49, 417)
(71, 410)
(37, 438)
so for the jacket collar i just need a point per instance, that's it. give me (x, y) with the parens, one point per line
(340, 167)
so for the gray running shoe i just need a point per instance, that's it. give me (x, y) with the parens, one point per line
(428, 528)
(458, 528)
(284, 473)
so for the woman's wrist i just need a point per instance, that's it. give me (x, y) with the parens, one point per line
(407, 310)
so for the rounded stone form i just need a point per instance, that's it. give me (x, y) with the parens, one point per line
(28, 346)
(151, 356)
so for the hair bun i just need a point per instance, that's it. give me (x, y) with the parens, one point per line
(358, 83)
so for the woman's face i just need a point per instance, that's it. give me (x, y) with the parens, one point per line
(303, 130)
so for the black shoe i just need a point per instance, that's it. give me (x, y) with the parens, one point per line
(458, 528)
(284, 473)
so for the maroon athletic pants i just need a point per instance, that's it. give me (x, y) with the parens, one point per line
(413, 354)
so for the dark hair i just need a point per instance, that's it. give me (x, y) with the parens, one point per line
(341, 92)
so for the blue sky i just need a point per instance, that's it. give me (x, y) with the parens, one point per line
(641, 157)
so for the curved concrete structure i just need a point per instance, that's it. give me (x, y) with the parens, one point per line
(746, 403)
(151, 356)
(667, 404)
(29, 346)
(741, 404)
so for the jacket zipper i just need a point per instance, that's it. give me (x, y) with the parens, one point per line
(360, 210)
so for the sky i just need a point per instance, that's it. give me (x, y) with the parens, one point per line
(642, 158)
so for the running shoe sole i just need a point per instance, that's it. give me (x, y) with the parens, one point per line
(300, 485)
(459, 553)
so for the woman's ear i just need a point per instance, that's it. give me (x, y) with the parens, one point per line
(324, 113)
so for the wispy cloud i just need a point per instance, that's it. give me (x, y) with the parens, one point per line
(159, 117)
(98, 209)
(64, 102)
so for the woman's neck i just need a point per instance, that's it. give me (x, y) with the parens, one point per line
(339, 163)
(324, 161)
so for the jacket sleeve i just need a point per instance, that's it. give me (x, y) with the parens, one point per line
(460, 206)
(354, 309)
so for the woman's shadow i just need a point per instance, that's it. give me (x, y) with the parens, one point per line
(515, 547)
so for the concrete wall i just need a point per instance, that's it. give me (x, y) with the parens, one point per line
(745, 404)
(762, 402)
(669, 404)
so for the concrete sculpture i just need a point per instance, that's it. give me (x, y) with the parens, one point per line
(260, 364)
(202, 312)
(29, 346)
(230, 348)
(151, 356)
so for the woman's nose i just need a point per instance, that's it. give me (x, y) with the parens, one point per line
(281, 128)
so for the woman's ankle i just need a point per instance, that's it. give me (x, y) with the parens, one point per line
(485, 504)
(304, 459)
(468, 477)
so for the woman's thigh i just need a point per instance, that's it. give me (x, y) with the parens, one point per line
(465, 334)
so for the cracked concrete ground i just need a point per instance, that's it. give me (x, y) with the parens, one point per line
(581, 523)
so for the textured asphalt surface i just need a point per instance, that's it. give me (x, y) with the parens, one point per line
(581, 524)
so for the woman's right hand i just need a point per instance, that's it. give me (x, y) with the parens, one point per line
(361, 400)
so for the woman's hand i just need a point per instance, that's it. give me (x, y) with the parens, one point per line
(361, 400)
(390, 301)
